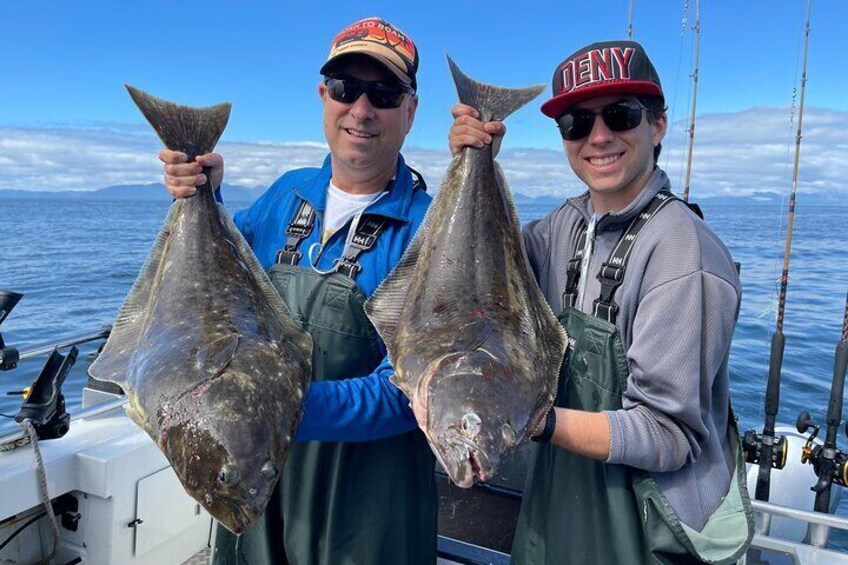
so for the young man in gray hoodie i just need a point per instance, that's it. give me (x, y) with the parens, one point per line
(639, 460)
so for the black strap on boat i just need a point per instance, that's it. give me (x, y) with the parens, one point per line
(364, 239)
(611, 274)
(572, 271)
(298, 229)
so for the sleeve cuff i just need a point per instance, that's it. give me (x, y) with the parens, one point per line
(616, 450)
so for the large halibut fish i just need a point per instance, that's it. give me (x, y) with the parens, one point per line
(214, 368)
(473, 342)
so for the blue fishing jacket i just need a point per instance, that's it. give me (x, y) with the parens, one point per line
(364, 407)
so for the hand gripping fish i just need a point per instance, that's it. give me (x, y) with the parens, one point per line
(213, 366)
(473, 342)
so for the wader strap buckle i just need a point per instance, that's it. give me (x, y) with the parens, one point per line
(364, 239)
(608, 312)
(349, 269)
(572, 272)
(298, 230)
(611, 277)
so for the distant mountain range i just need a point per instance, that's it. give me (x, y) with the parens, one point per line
(148, 192)
(242, 194)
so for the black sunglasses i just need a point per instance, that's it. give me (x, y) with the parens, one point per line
(577, 123)
(380, 94)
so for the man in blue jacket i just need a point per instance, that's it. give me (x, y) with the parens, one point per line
(328, 236)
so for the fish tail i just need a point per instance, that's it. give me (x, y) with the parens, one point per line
(492, 102)
(193, 131)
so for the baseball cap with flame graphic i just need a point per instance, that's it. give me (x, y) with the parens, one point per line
(380, 40)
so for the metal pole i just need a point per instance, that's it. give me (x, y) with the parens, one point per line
(102, 334)
(694, 99)
(778, 340)
(784, 277)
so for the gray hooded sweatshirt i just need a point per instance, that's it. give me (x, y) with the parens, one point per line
(678, 307)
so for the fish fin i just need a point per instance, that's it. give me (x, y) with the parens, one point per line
(509, 205)
(492, 102)
(303, 339)
(112, 363)
(553, 335)
(193, 131)
(386, 304)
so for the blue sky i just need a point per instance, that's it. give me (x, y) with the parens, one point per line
(68, 123)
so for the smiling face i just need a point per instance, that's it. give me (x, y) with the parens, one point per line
(365, 141)
(615, 165)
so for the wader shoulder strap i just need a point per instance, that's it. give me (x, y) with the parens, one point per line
(364, 239)
(572, 271)
(298, 229)
(367, 231)
(417, 180)
(611, 273)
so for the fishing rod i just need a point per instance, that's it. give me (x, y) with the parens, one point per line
(694, 75)
(630, 20)
(767, 450)
(830, 463)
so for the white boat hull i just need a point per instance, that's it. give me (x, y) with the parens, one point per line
(131, 506)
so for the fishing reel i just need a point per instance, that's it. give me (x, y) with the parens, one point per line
(752, 446)
(833, 462)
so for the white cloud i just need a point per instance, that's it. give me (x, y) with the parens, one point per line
(740, 153)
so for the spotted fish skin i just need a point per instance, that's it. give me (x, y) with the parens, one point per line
(473, 342)
(214, 367)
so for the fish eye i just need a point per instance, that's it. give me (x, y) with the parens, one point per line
(269, 470)
(471, 423)
(228, 475)
(508, 433)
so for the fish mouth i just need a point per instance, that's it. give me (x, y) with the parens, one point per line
(237, 519)
(469, 462)
(477, 467)
(232, 512)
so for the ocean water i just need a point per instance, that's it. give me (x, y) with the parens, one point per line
(75, 261)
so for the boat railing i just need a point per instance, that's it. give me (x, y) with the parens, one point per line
(103, 333)
(84, 414)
